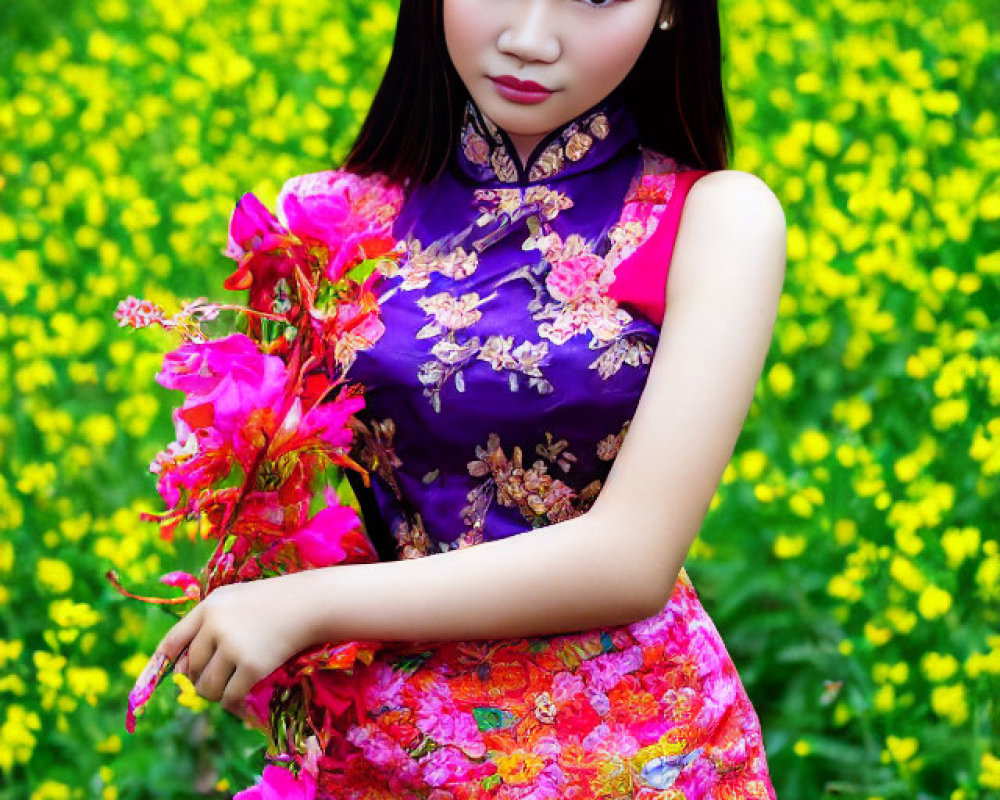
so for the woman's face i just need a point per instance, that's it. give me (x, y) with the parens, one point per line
(577, 50)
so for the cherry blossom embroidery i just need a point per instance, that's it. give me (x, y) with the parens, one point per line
(632, 350)
(540, 497)
(419, 263)
(450, 314)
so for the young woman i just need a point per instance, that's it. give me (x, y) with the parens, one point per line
(547, 416)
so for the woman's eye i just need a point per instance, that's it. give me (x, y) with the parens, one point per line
(599, 4)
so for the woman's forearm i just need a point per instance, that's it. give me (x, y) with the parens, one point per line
(569, 576)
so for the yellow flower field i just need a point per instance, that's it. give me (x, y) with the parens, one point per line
(851, 558)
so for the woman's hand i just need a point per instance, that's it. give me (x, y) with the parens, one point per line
(237, 636)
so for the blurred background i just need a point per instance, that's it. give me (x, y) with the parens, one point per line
(851, 558)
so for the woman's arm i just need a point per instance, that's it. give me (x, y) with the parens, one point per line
(613, 565)
(618, 562)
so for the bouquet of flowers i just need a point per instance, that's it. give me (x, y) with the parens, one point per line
(263, 432)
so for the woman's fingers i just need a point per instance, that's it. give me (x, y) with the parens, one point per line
(200, 652)
(179, 636)
(215, 677)
(234, 698)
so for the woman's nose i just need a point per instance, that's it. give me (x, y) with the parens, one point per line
(531, 34)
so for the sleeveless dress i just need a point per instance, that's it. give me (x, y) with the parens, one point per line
(520, 325)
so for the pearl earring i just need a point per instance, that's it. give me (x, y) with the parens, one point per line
(666, 24)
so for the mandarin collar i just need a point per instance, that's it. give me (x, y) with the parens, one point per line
(486, 154)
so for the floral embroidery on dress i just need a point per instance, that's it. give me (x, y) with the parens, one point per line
(483, 144)
(412, 540)
(644, 205)
(419, 263)
(541, 498)
(632, 350)
(577, 281)
(608, 447)
(451, 356)
(373, 450)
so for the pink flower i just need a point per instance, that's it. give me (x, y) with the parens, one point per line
(447, 765)
(224, 380)
(278, 783)
(439, 718)
(320, 541)
(138, 313)
(183, 580)
(195, 465)
(351, 215)
(324, 421)
(251, 226)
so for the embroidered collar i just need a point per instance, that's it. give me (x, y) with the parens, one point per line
(486, 153)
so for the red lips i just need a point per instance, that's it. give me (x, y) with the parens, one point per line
(523, 86)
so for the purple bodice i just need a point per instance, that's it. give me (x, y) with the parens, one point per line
(505, 381)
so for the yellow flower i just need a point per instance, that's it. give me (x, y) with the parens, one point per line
(68, 614)
(950, 702)
(752, 464)
(885, 698)
(902, 749)
(6, 563)
(845, 531)
(800, 505)
(764, 493)
(87, 682)
(789, 546)
(54, 575)
(519, 766)
(949, 412)
(826, 138)
(111, 744)
(802, 748)
(933, 602)
(978, 663)
(854, 412)
(17, 742)
(843, 587)
(907, 574)
(960, 544)
(902, 619)
(989, 775)
(98, 430)
(890, 673)
(781, 379)
(10, 650)
(938, 667)
(876, 634)
(188, 697)
(906, 540)
(51, 790)
(134, 665)
(815, 445)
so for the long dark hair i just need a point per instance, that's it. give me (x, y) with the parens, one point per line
(674, 90)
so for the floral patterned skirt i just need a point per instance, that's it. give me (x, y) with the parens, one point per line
(654, 709)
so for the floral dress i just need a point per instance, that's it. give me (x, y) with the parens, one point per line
(520, 326)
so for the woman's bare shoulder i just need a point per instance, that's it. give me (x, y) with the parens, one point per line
(732, 228)
(737, 196)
